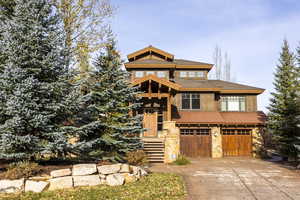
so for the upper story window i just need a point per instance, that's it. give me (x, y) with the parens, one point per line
(191, 74)
(190, 101)
(200, 74)
(161, 74)
(139, 74)
(183, 74)
(150, 72)
(233, 103)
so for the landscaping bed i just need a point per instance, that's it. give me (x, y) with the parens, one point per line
(163, 186)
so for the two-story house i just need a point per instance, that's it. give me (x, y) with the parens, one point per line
(215, 118)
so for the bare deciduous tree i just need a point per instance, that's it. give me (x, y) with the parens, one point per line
(221, 70)
(87, 27)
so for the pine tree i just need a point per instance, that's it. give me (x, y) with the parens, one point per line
(283, 108)
(297, 143)
(107, 128)
(35, 96)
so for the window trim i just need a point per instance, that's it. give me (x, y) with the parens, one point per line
(190, 100)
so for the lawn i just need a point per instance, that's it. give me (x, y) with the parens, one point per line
(163, 186)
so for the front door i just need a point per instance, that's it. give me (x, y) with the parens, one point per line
(150, 123)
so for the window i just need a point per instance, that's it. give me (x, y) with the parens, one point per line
(197, 131)
(161, 74)
(190, 101)
(150, 72)
(200, 74)
(192, 74)
(236, 131)
(183, 74)
(139, 74)
(233, 103)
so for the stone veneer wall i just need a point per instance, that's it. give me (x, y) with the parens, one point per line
(216, 143)
(256, 141)
(171, 135)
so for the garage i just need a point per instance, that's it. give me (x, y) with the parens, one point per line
(195, 142)
(236, 142)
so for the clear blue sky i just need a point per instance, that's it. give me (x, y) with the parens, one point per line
(251, 31)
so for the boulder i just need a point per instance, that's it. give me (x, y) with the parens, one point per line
(129, 178)
(115, 179)
(11, 186)
(124, 168)
(84, 169)
(90, 180)
(109, 169)
(60, 173)
(61, 183)
(35, 186)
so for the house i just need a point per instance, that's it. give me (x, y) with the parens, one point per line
(209, 118)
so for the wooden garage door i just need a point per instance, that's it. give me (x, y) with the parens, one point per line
(195, 142)
(236, 142)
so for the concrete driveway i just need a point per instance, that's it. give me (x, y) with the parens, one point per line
(236, 179)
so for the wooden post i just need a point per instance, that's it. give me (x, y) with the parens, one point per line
(169, 108)
(150, 89)
(159, 87)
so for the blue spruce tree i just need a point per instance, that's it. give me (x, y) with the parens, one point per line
(108, 129)
(35, 97)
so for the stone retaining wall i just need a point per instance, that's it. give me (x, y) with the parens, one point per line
(79, 175)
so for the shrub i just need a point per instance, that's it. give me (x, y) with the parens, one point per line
(23, 169)
(182, 160)
(138, 157)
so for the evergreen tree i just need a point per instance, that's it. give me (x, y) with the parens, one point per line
(283, 114)
(6, 11)
(297, 143)
(107, 128)
(35, 96)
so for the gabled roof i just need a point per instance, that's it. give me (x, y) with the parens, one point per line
(162, 59)
(228, 118)
(150, 48)
(217, 85)
(176, 63)
(162, 81)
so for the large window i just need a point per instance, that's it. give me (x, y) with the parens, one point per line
(190, 101)
(233, 103)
